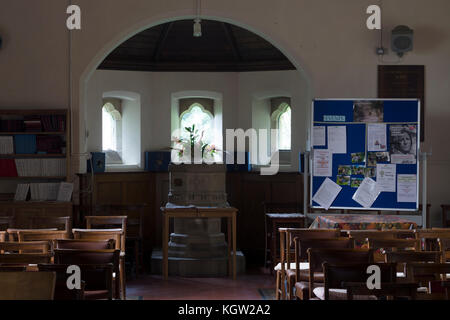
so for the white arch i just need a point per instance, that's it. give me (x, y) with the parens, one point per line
(124, 95)
(81, 85)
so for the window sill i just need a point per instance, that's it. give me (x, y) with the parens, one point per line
(123, 168)
(281, 168)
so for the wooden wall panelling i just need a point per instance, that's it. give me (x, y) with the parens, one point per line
(22, 211)
(246, 192)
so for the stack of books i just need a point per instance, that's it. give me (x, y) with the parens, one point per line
(25, 144)
(44, 191)
(49, 144)
(32, 124)
(54, 123)
(11, 125)
(8, 168)
(6, 145)
(41, 167)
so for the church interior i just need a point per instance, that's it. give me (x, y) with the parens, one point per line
(224, 150)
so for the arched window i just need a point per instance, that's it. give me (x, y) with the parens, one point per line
(284, 127)
(110, 117)
(201, 118)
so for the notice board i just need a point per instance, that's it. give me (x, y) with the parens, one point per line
(354, 139)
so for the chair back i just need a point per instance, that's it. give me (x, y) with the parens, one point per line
(77, 257)
(317, 256)
(101, 234)
(337, 274)
(12, 268)
(60, 223)
(27, 285)
(404, 257)
(13, 234)
(429, 237)
(25, 247)
(335, 243)
(6, 222)
(39, 235)
(362, 235)
(85, 244)
(444, 246)
(2, 236)
(304, 233)
(394, 244)
(25, 258)
(412, 256)
(428, 273)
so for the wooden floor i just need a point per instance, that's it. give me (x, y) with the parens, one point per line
(256, 284)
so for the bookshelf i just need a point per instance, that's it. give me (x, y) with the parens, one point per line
(34, 149)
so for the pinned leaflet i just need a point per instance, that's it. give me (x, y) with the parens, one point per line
(326, 194)
(367, 193)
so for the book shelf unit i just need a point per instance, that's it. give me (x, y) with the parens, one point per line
(40, 125)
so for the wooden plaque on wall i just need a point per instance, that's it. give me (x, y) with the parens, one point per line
(404, 82)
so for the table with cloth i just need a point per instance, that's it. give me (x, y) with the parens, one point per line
(362, 222)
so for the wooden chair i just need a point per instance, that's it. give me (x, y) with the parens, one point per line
(2, 236)
(85, 244)
(288, 268)
(94, 282)
(25, 247)
(317, 257)
(302, 275)
(134, 237)
(430, 275)
(107, 234)
(349, 281)
(279, 215)
(404, 257)
(60, 223)
(444, 246)
(109, 222)
(27, 285)
(429, 237)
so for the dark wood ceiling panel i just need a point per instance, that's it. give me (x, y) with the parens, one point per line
(172, 47)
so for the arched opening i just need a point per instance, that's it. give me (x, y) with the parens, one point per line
(240, 85)
(300, 89)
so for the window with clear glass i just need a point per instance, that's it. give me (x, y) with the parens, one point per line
(284, 127)
(196, 115)
(109, 130)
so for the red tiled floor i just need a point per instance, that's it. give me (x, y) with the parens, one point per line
(246, 287)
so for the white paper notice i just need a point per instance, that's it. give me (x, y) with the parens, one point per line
(386, 177)
(337, 139)
(323, 163)
(65, 192)
(21, 192)
(319, 136)
(406, 188)
(326, 194)
(367, 193)
(376, 136)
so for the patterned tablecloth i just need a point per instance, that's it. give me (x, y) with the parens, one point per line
(361, 222)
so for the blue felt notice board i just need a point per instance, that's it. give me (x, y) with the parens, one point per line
(356, 115)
